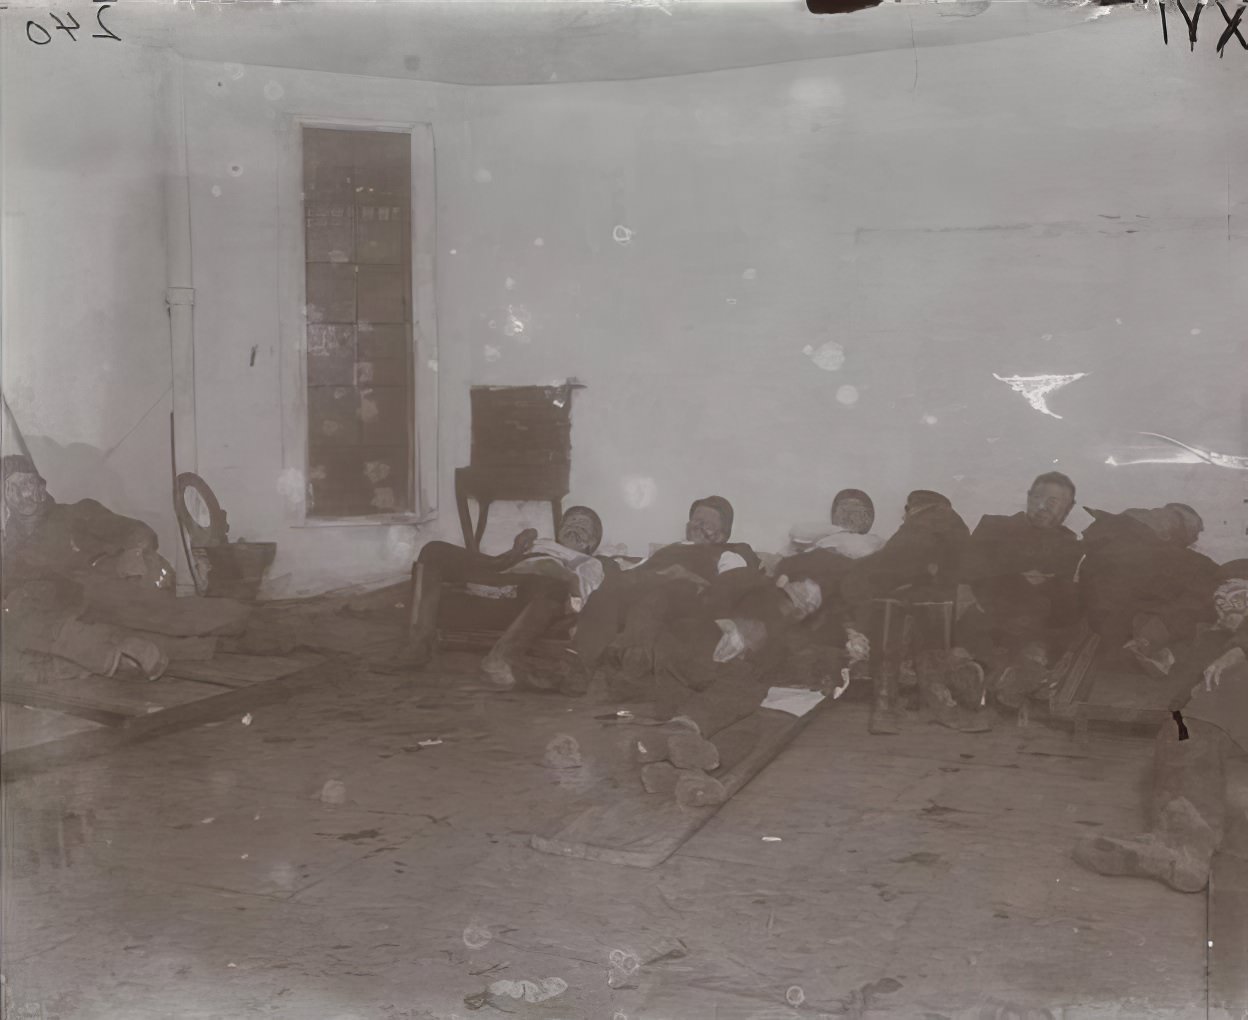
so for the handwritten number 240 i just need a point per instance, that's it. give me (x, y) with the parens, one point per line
(33, 28)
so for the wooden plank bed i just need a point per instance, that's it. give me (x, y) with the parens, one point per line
(643, 830)
(110, 712)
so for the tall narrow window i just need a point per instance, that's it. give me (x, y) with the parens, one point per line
(357, 188)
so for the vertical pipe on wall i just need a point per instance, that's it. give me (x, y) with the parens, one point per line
(180, 295)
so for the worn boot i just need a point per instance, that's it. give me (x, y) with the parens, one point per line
(1177, 853)
(146, 655)
(938, 703)
(963, 678)
(497, 673)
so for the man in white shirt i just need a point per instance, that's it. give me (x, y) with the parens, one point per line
(555, 576)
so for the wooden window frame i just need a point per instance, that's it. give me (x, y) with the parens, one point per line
(293, 320)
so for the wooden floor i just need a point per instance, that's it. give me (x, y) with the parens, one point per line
(203, 874)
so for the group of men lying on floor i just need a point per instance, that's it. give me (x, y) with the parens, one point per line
(706, 625)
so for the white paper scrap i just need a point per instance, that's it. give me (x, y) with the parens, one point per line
(794, 700)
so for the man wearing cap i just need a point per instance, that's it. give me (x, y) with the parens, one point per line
(910, 585)
(1023, 604)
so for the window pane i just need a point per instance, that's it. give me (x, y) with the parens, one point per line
(357, 242)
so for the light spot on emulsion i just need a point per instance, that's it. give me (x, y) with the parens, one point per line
(216, 191)
(621, 235)
(283, 876)
(538, 242)
(235, 71)
(376, 471)
(509, 283)
(517, 323)
(829, 356)
(492, 353)
(432, 363)
(847, 395)
(1036, 388)
(640, 491)
(929, 419)
(483, 176)
(273, 91)
(1195, 332)
(400, 545)
(290, 485)
(750, 274)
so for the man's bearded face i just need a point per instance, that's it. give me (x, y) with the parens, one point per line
(25, 495)
(1048, 505)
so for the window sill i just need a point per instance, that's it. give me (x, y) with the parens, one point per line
(374, 521)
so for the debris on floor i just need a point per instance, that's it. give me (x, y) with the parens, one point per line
(563, 752)
(333, 792)
(499, 992)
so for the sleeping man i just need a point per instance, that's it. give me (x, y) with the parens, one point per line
(64, 560)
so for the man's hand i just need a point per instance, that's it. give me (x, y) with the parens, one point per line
(1215, 669)
(524, 541)
(1036, 577)
(678, 573)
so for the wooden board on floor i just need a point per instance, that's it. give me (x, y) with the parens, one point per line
(1125, 699)
(228, 670)
(104, 699)
(26, 760)
(22, 726)
(1228, 934)
(643, 830)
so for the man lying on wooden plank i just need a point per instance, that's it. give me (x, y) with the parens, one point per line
(712, 672)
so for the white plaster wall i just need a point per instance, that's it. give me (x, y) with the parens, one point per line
(1002, 215)
(937, 213)
(86, 366)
